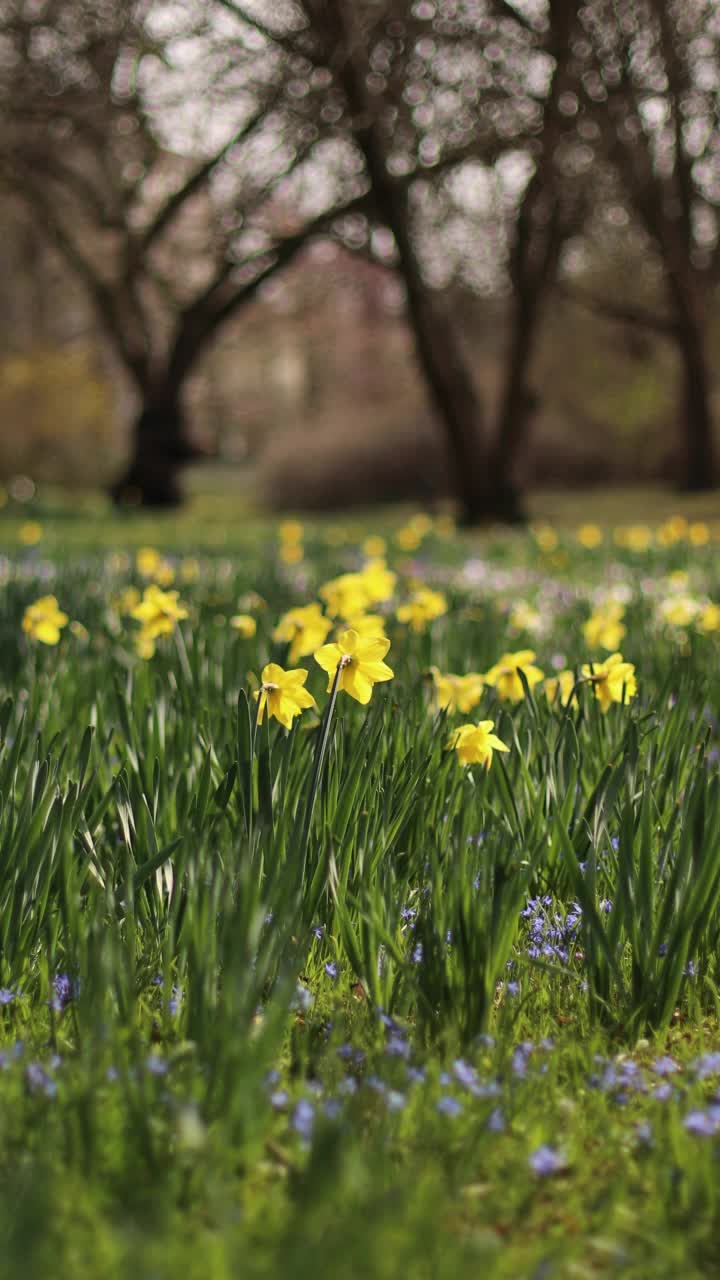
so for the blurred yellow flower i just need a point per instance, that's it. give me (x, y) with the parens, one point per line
(159, 612)
(672, 531)
(456, 693)
(366, 624)
(244, 624)
(559, 689)
(709, 618)
(590, 536)
(291, 552)
(613, 680)
(144, 645)
(698, 534)
(303, 629)
(127, 600)
(504, 675)
(424, 607)
(282, 694)
(525, 618)
(360, 662)
(30, 533)
(475, 743)
(545, 536)
(378, 582)
(44, 620)
(408, 538)
(345, 595)
(374, 547)
(636, 537)
(147, 561)
(290, 531)
(604, 628)
(679, 611)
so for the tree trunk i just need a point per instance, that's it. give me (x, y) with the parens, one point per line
(698, 442)
(448, 378)
(159, 452)
(518, 402)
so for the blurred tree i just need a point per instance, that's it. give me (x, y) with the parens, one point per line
(435, 98)
(154, 144)
(652, 82)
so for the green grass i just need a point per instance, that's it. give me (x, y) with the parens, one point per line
(311, 1003)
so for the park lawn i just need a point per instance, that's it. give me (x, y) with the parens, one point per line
(327, 1000)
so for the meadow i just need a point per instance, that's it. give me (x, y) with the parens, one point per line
(360, 898)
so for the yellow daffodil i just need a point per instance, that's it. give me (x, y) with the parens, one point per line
(590, 536)
(636, 537)
(366, 624)
(679, 611)
(147, 561)
(456, 693)
(559, 689)
(159, 612)
(360, 662)
(345, 595)
(604, 628)
(504, 675)
(613, 680)
(374, 547)
(282, 694)
(378, 582)
(424, 607)
(709, 618)
(244, 624)
(672, 531)
(525, 618)
(290, 531)
(144, 645)
(30, 533)
(303, 629)
(475, 743)
(545, 536)
(126, 602)
(291, 552)
(408, 538)
(44, 620)
(698, 534)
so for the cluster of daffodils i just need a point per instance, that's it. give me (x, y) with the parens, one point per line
(44, 620)
(158, 614)
(354, 664)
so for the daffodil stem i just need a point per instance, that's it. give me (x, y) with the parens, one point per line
(318, 766)
(183, 655)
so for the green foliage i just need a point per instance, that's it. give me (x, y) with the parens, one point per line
(314, 1000)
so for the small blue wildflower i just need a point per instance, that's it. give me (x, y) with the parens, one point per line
(448, 1106)
(396, 1101)
(302, 1000)
(331, 970)
(546, 1161)
(496, 1121)
(38, 1080)
(664, 1066)
(303, 1119)
(279, 1099)
(156, 1065)
(703, 1123)
(6, 996)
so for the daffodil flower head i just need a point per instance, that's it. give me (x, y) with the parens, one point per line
(475, 743)
(456, 693)
(159, 611)
(613, 680)
(424, 607)
(604, 628)
(244, 624)
(358, 662)
(559, 689)
(504, 675)
(303, 629)
(44, 620)
(282, 694)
